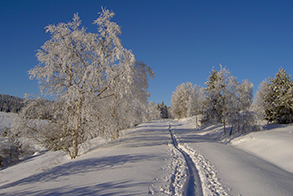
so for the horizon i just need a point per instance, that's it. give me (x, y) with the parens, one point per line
(180, 40)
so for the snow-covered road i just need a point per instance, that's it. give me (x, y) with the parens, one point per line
(137, 164)
(243, 173)
(145, 161)
(192, 185)
(239, 172)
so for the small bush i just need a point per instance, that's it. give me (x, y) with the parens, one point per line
(9, 152)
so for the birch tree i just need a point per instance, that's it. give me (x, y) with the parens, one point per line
(245, 118)
(82, 70)
(180, 100)
(186, 101)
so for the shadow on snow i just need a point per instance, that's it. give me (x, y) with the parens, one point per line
(79, 167)
(103, 189)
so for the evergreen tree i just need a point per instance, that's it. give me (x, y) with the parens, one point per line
(277, 100)
(163, 110)
(216, 87)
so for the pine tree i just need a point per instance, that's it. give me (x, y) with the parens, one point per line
(163, 110)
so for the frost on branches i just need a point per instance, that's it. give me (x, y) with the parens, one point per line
(186, 101)
(228, 101)
(99, 86)
(275, 98)
(224, 100)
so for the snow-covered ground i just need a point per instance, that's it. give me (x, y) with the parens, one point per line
(141, 162)
(145, 161)
(245, 166)
(274, 144)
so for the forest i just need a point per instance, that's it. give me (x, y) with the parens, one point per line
(10, 103)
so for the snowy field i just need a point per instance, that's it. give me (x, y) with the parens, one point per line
(153, 159)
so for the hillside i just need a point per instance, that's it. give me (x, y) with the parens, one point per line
(10, 103)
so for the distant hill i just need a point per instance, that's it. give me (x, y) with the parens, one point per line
(10, 103)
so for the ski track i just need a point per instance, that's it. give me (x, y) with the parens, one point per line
(206, 172)
(192, 185)
(210, 181)
(179, 173)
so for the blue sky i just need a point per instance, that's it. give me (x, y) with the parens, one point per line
(180, 40)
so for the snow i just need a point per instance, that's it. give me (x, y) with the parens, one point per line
(144, 161)
(274, 145)
(237, 171)
(139, 163)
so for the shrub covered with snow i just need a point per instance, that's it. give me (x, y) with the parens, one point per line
(9, 151)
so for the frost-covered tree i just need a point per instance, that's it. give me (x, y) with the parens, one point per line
(152, 112)
(216, 95)
(192, 99)
(186, 101)
(180, 100)
(127, 100)
(95, 80)
(259, 105)
(276, 98)
(243, 117)
(9, 151)
(226, 99)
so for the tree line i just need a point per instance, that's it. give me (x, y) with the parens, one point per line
(225, 100)
(10, 103)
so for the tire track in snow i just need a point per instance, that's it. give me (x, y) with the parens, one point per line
(192, 185)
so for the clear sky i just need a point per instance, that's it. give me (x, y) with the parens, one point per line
(180, 40)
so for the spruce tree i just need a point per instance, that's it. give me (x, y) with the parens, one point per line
(279, 99)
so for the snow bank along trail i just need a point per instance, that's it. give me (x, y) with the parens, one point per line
(192, 185)
(274, 144)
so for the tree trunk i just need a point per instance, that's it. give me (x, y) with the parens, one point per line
(74, 145)
(238, 123)
(224, 127)
(115, 133)
(231, 130)
(75, 132)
